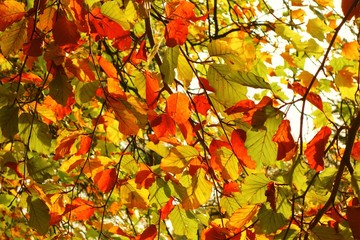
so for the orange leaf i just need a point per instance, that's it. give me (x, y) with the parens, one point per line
(353, 216)
(316, 147)
(355, 153)
(177, 106)
(105, 180)
(350, 50)
(10, 12)
(114, 89)
(187, 131)
(238, 138)
(63, 148)
(167, 208)
(149, 233)
(176, 32)
(202, 104)
(85, 144)
(163, 126)
(80, 209)
(80, 15)
(107, 66)
(285, 141)
(65, 32)
(311, 97)
(229, 188)
(145, 177)
(152, 89)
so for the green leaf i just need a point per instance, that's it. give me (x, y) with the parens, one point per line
(160, 193)
(270, 221)
(39, 215)
(60, 88)
(6, 97)
(317, 28)
(220, 48)
(324, 232)
(13, 38)
(259, 142)
(244, 78)
(227, 91)
(325, 179)
(297, 175)
(185, 72)
(232, 203)
(9, 121)
(178, 159)
(254, 188)
(170, 62)
(40, 169)
(184, 223)
(40, 140)
(114, 11)
(85, 91)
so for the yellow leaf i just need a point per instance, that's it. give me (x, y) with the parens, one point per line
(298, 14)
(229, 163)
(306, 78)
(131, 196)
(326, 3)
(13, 38)
(178, 159)
(185, 72)
(317, 28)
(242, 216)
(199, 192)
(351, 50)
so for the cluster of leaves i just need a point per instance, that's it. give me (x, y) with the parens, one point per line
(138, 119)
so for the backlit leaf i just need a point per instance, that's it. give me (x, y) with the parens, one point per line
(176, 32)
(10, 12)
(183, 222)
(177, 106)
(60, 89)
(316, 147)
(105, 180)
(178, 159)
(355, 153)
(13, 38)
(152, 89)
(284, 140)
(242, 216)
(81, 209)
(313, 98)
(238, 138)
(269, 220)
(170, 62)
(317, 28)
(149, 233)
(346, 5)
(132, 197)
(350, 49)
(65, 32)
(254, 188)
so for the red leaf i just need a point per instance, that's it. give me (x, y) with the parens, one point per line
(187, 131)
(353, 216)
(215, 161)
(177, 106)
(145, 177)
(270, 195)
(230, 188)
(355, 153)
(80, 209)
(163, 126)
(316, 147)
(80, 15)
(311, 97)
(346, 5)
(285, 141)
(85, 144)
(63, 148)
(149, 233)
(176, 32)
(152, 89)
(10, 12)
(141, 54)
(204, 83)
(202, 104)
(238, 138)
(33, 48)
(166, 209)
(105, 180)
(65, 32)
(241, 106)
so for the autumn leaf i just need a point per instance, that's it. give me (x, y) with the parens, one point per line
(346, 6)
(177, 106)
(65, 32)
(242, 216)
(316, 147)
(148, 234)
(202, 104)
(270, 195)
(311, 97)
(285, 141)
(163, 126)
(10, 12)
(106, 179)
(355, 153)
(166, 209)
(353, 216)
(145, 177)
(176, 32)
(238, 138)
(80, 209)
(152, 89)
